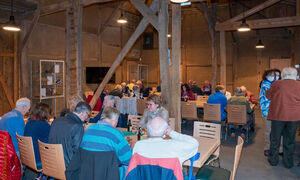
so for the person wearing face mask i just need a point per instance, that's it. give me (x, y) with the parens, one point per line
(268, 78)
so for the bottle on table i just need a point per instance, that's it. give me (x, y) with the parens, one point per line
(129, 126)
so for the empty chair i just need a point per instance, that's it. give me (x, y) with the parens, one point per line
(215, 173)
(52, 158)
(209, 130)
(135, 120)
(27, 152)
(189, 110)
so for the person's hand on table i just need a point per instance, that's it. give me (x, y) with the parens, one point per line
(168, 131)
(131, 141)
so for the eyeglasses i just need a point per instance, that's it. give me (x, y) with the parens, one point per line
(87, 113)
(149, 104)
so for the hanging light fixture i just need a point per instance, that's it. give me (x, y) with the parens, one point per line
(11, 24)
(259, 44)
(179, 1)
(122, 19)
(244, 27)
(169, 35)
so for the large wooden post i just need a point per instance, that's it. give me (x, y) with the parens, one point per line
(68, 56)
(223, 58)
(163, 19)
(138, 31)
(297, 37)
(24, 67)
(176, 61)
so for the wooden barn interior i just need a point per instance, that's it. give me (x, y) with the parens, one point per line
(163, 44)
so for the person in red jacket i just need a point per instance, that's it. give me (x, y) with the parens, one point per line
(284, 115)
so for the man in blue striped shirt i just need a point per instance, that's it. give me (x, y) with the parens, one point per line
(103, 136)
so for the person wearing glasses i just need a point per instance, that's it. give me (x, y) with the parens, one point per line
(68, 130)
(154, 109)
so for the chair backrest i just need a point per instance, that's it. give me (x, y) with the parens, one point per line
(10, 167)
(140, 165)
(141, 106)
(27, 152)
(135, 120)
(205, 129)
(52, 158)
(189, 110)
(237, 156)
(212, 112)
(237, 114)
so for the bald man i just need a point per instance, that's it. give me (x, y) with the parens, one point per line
(179, 146)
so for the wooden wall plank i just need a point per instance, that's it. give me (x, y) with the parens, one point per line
(16, 71)
(223, 58)
(7, 92)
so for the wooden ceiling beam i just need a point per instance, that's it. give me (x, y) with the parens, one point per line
(261, 23)
(252, 11)
(6, 54)
(146, 12)
(61, 6)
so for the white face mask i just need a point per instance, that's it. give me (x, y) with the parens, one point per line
(270, 78)
(276, 78)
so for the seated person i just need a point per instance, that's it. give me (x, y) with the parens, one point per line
(153, 109)
(206, 88)
(117, 91)
(249, 95)
(179, 146)
(104, 136)
(239, 99)
(186, 93)
(219, 98)
(141, 87)
(73, 101)
(196, 89)
(131, 84)
(38, 128)
(68, 130)
(110, 101)
(125, 89)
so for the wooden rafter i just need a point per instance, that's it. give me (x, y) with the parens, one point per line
(112, 14)
(262, 23)
(138, 31)
(6, 54)
(252, 11)
(146, 12)
(31, 27)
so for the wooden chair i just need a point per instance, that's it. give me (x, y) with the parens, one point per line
(140, 106)
(52, 158)
(237, 115)
(212, 112)
(27, 152)
(209, 172)
(135, 120)
(209, 130)
(189, 110)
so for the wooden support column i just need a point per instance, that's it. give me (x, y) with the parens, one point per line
(176, 61)
(297, 37)
(68, 56)
(138, 31)
(7, 92)
(163, 19)
(223, 58)
(24, 67)
(78, 43)
(16, 71)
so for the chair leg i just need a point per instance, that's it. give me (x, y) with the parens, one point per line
(219, 163)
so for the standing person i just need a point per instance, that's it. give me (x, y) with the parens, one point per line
(206, 88)
(154, 109)
(186, 93)
(38, 128)
(284, 115)
(267, 79)
(13, 121)
(68, 130)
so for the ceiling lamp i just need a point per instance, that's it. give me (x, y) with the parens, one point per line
(11, 24)
(169, 35)
(244, 27)
(259, 45)
(122, 19)
(179, 1)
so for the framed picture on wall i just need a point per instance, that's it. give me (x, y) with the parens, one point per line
(148, 40)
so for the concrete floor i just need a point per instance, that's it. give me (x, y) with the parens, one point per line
(253, 164)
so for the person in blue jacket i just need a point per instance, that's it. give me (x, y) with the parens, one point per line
(219, 98)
